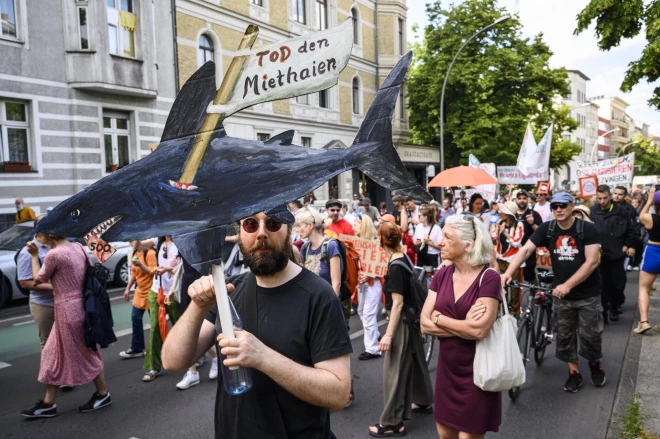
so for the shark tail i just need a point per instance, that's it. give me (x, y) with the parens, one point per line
(373, 151)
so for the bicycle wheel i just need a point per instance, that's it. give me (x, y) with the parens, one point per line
(523, 344)
(428, 341)
(542, 329)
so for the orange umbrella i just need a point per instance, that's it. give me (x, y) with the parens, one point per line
(462, 176)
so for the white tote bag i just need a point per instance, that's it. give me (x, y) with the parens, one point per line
(498, 362)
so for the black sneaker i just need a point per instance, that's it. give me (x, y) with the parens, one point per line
(364, 356)
(41, 410)
(614, 315)
(574, 382)
(96, 402)
(597, 374)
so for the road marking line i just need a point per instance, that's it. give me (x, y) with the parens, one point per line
(16, 318)
(3, 365)
(23, 323)
(129, 331)
(361, 331)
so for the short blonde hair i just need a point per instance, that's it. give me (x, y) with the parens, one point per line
(367, 228)
(309, 216)
(481, 246)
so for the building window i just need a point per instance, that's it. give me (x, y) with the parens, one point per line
(205, 51)
(298, 12)
(356, 96)
(356, 26)
(82, 28)
(258, 2)
(401, 42)
(116, 136)
(8, 16)
(121, 27)
(302, 99)
(306, 141)
(14, 127)
(321, 14)
(323, 99)
(263, 137)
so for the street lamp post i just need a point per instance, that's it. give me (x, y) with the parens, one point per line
(625, 146)
(595, 147)
(444, 85)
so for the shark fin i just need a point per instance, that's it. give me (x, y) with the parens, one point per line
(284, 138)
(189, 109)
(373, 150)
(202, 248)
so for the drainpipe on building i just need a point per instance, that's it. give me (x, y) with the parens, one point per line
(176, 50)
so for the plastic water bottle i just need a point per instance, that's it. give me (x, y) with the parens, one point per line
(239, 380)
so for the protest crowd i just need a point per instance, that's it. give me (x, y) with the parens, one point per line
(345, 257)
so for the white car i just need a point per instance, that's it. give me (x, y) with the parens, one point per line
(14, 239)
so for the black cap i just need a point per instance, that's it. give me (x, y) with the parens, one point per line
(330, 203)
(522, 192)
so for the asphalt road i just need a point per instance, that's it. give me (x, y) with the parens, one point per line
(159, 410)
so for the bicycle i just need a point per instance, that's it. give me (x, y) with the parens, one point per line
(534, 325)
(426, 274)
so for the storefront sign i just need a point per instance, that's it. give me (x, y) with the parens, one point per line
(418, 154)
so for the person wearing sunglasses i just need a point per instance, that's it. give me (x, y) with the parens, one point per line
(574, 246)
(531, 220)
(339, 225)
(295, 340)
(615, 225)
(510, 234)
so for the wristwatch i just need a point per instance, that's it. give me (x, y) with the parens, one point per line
(435, 319)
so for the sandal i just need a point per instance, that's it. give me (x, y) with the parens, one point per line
(397, 430)
(151, 375)
(423, 409)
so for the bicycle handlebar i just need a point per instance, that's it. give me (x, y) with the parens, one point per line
(516, 284)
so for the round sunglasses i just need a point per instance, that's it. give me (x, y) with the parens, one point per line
(251, 225)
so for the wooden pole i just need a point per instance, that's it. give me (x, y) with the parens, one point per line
(222, 96)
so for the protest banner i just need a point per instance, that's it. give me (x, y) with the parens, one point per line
(487, 191)
(509, 175)
(373, 259)
(612, 172)
(588, 186)
(290, 68)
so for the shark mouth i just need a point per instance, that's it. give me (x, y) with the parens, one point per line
(102, 250)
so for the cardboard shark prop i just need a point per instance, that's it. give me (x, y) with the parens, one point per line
(236, 178)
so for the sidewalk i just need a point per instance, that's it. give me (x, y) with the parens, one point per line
(641, 373)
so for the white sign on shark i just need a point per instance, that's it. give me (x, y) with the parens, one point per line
(290, 68)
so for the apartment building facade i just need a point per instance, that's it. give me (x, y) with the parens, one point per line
(212, 29)
(85, 88)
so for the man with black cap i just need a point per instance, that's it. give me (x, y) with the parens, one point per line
(531, 221)
(339, 225)
(575, 253)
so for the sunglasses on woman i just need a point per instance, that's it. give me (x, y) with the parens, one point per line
(555, 206)
(470, 218)
(251, 225)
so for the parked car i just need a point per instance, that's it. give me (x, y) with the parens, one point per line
(14, 239)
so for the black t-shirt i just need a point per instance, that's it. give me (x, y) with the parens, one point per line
(567, 256)
(528, 231)
(397, 280)
(302, 320)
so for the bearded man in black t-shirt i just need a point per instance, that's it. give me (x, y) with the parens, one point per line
(298, 349)
(575, 254)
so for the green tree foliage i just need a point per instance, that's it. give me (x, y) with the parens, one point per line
(624, 19)
(500, 82)
(647, 156)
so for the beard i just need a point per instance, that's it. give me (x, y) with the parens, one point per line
(270, 262)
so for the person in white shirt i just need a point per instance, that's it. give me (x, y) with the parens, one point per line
(427, 238)
(543, 207)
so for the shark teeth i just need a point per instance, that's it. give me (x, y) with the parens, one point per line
(103, 227)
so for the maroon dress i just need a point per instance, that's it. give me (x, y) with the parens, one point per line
(459, 403)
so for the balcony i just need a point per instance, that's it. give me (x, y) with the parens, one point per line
(619, 137)
(617, 122)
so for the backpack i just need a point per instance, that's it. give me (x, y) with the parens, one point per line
(350, 264)
(96, 303)
(418, 292)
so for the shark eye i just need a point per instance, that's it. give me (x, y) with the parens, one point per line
(75, 213)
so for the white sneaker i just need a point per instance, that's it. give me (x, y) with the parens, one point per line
(189, 380)
(213, 373)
